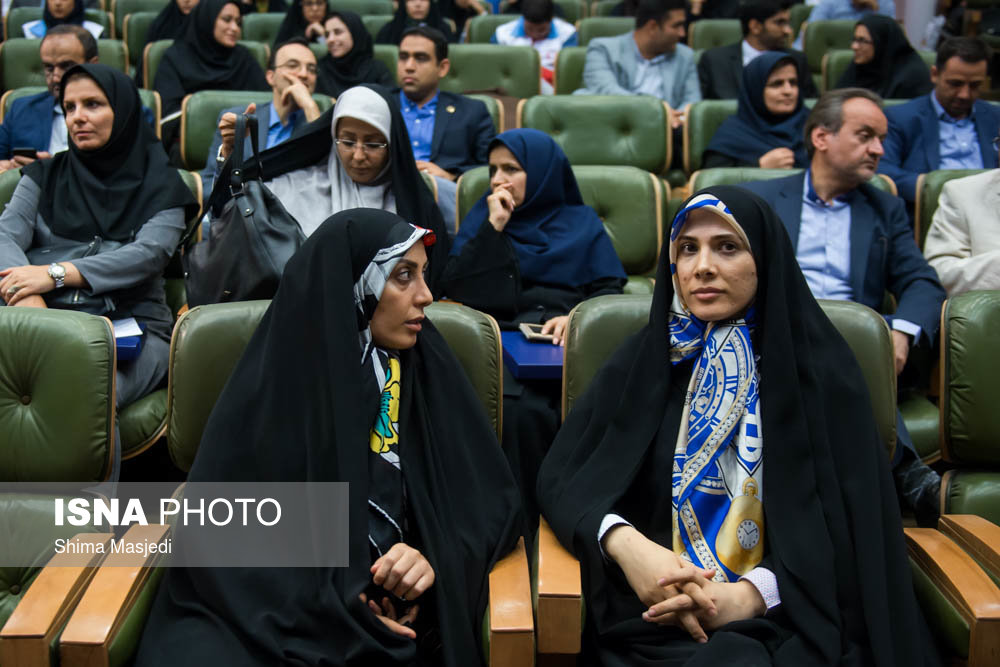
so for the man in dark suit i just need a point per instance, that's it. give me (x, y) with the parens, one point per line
(949, 128)
(449, 133)
(766, 27)
(854, 242)
(291, 73)
(36, 121)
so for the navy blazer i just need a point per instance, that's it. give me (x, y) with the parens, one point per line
(913, 147)
(28, 124)
(463, 130)
(884, 254)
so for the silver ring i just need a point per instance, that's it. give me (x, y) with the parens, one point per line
(12, 290)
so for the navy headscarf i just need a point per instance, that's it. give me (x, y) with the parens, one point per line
(557, 238)
(754, 130)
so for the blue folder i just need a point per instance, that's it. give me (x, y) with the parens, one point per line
(531, 361)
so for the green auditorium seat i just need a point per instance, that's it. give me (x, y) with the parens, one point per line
(602, 26)
(200, 115)
(362, 7)
(122, 8)
(507, 70)
(710, 33)
(705, 178)
(603, 129)
(970, 389)
(21, 64)
(56, 425)
(479, 29)
(150, 99)
(799, 14)
(135, 26)
(822, 36)
(929, 188)
(262, 27)
(153, 54)
(15, 19)
(568, 74)
(207, 343)
(374, 22)
(628, 200)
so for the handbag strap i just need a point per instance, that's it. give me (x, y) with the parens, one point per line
(243, 123)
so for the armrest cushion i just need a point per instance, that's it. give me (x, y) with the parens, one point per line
(512, 627)
(977, 536)
(560, 595)
(965, 587)
(111, 594)
(52, 596)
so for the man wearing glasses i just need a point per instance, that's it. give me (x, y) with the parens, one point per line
(291, 73)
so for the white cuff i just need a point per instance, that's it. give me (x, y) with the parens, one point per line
(609, 522)
(907, 328)
(766, 584)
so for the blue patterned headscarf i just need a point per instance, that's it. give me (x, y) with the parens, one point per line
(557, 238)
(718, 514)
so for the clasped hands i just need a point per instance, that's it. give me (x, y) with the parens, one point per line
(405, 573)
(677, 592)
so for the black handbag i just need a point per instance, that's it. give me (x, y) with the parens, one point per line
(251, 239)
(69, 298)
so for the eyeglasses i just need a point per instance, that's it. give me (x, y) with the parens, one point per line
(863, 41)
(368, 147)
(295, 66)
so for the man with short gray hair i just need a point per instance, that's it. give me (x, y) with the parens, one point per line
(854, 242)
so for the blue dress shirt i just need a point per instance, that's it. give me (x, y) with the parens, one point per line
(278, 133)
(958, 139)
(420, 124)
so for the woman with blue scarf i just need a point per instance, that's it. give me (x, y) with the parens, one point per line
(529, 251)
(777, 540)
(767, 130)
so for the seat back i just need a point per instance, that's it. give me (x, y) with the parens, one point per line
(970, 380)
(700, 123)
(362, 7)
(474, 337)
(628, 200)
(58, 396)
(568, 73)
(833, 65)
(200, 117)
(122, 8)
(509, 70)
(262, 27)
(710, 33)
(735, 175)
(154, 54)
(480, 29)
(603, 129)
(822, 36)
(929, 188)
(598, 326)
(13, 22)
(135, 26)
(21, 64)
(603, 26)
(373, 23)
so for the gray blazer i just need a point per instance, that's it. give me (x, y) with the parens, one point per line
(612, 66)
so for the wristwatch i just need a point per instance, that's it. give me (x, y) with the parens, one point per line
(58, 273)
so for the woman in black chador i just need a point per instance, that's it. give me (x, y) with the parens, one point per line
(722, 481)
(345, 381)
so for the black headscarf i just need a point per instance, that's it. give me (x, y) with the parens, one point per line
(392, 32)
(113, 190)
(295, 24)
(312, 144)
(896, 70)
(76, 17)
(292, 411)
(355, 67)
(754, 130)
(834, 538)
(197, 62)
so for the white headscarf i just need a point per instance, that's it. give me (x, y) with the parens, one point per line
(313, 194)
